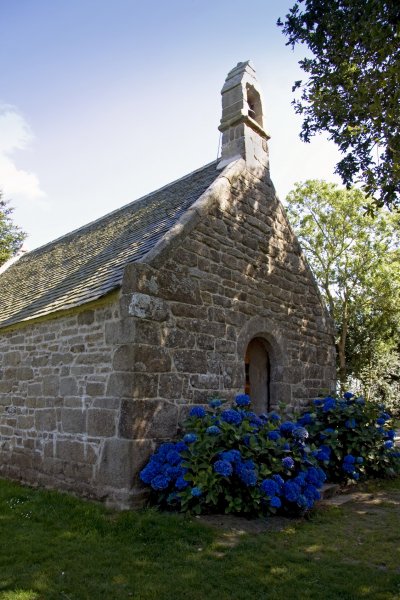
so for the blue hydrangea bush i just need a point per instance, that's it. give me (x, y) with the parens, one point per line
(231, 460)
(352, 438)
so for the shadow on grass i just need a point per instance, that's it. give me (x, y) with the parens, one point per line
(54, 546)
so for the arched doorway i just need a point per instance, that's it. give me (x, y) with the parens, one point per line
(258, 374)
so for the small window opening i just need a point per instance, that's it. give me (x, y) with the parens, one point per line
(254, 105)
(252, 112)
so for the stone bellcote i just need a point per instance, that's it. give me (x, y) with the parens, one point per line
(242, 125)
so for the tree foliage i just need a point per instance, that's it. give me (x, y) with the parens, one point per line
(11, 236)
(356, 261)
(353, 86)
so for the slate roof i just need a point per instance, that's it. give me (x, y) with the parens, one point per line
(87, 263)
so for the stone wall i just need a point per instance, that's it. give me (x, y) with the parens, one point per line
(237, 275)
(85, 398)
(59, 413)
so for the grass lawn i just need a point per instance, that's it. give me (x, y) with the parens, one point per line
(53, 546)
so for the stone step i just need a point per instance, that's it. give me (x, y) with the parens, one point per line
(328, 490)
(345, 498)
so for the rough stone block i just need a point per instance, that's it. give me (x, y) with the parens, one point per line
(151, 359)
(68, 386)
(101, 423)
(120, 385)
(207, 381)
(45, 419)
(170, 385)
(145, 386)
(147, 332)
(11, 359)
(73, 420)
(95, 388)
(190, 361)
(86, 318)
(51, 385)
(70, 451)
(124, 358)
(147, 419)
(143, 306)
(120, 461)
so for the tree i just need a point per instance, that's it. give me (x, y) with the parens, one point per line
(11, 236)
(355, 258)
(353, 89)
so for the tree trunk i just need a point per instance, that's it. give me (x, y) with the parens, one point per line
(341, 346)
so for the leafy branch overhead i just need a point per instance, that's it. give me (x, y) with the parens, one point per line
(353, 86)
(11, 236)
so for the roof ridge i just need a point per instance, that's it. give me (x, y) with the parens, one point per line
(142, 200)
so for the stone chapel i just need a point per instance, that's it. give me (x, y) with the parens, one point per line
(110, 333)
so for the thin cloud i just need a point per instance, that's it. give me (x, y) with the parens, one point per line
(16, 135)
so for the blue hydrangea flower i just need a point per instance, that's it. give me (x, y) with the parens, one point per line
(311, 492)
(349, 459)
(180, 446)
(197, 411)
(173, 457)
(288, 462)
(323, 453)
(348, 395)
(164, 449)
(300, 433)
(246, 472)
(160, 482)
(391, 434)
(269, 487)
(348, 467)
(213, 430)
(231, 455)
(291, 491)
(248, 477)
(355, 475)
(181, 483)
(278, 480)
(306, 419)
(300, 478)
(242, 400)
(287, 427)
(315, 476)
(149, 472)
(274, 416)
(317, 402)
(350, 423)
(189, 438)
(275, 502)
(329, 404)
(223, 467)
(359, 460)
(196, 492)
(274, 435)
(231, 416)
(388, 444)
(215, 403)
(172, 472)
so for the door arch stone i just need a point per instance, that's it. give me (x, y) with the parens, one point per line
(263, 338)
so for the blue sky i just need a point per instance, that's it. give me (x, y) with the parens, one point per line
(105, 101)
